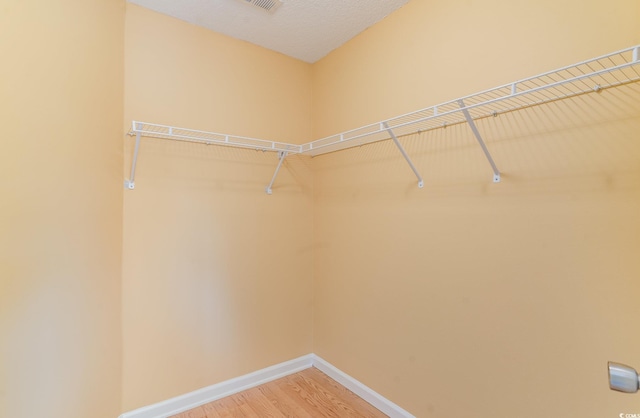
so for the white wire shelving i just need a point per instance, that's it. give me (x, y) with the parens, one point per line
(594, 75)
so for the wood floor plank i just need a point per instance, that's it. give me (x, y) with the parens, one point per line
(227, 408)
(291, 392)
(210, 411)
(345, 395)
(260, 404)
(283, 402)
(324, 397)
(307, 394)
(243, 407)
(345, 408)
(196, 413)
(311, 401)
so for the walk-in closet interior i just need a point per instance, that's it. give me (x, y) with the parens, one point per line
(444, 208)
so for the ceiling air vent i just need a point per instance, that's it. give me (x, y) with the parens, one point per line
(267, 5)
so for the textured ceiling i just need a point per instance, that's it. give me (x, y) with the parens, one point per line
(304, 29)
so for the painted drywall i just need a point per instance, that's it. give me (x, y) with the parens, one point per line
(216, 277)
(61, 108)
(436, 51)
(469, 298)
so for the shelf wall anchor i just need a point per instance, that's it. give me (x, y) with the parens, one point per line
(281, 156)
(474, 128)
(130, 183)
(404, 154)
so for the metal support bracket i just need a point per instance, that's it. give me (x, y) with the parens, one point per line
(404, 154)
(130, 183)
(472, 125)
(281, 156)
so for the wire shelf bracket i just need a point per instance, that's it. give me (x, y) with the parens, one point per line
(404, 154)
(476, 133)
(130, 182)
(281, 156)
(593, 75)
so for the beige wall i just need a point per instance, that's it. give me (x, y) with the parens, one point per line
(216, 274)
(61, 109)
(432, 51)
(468, 298)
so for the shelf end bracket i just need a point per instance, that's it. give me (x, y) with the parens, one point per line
(130, 183)
(476, 133)
(404, 154)
(281, 156)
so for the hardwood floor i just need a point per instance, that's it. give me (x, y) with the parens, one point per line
(309, 393)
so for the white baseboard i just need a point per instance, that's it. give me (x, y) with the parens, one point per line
(220, 390)
(363, 391)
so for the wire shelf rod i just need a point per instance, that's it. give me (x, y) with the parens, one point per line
(537, 92)
(193, 135)
(593, 75)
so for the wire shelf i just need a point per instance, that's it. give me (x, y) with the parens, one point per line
(611, 70)
(210, 138)
(593, 75)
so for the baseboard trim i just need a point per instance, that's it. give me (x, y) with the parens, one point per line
(220, 390)
(360, 389)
